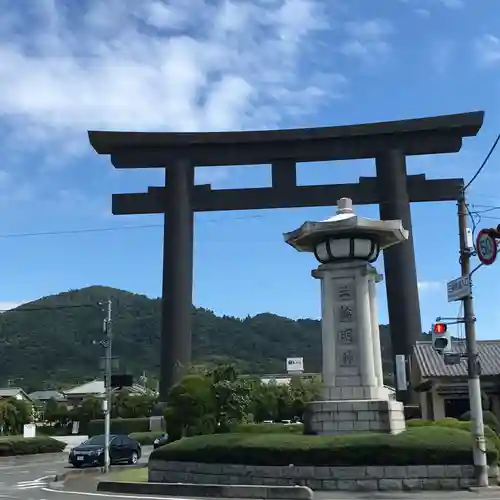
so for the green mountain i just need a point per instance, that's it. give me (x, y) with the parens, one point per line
(51, 341)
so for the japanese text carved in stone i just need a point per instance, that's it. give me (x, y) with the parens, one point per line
(345, 313)
(346, 336)
(344, 292)
(348, 358)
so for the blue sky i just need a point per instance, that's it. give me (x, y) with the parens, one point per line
(67, 67)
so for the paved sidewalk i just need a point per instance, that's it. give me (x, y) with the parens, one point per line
(491, 494)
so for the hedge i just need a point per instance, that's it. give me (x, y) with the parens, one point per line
(119, 426)
(457, 424)
(146, 438)
(269, 429)
(416, 446)
(52, 430)
(489, 419)
(19, 445)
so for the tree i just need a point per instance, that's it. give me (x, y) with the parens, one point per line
(55, 413)
(14, 415)
(190, 409)
(89, 409)
(282, 402)
(230, 396)
(8, 417)
(126, 405)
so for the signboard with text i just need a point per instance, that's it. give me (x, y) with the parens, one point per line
(294, 364)
(459, 289)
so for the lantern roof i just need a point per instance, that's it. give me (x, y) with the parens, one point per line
(346, 223)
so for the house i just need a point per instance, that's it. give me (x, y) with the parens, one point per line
(20, 395)
(96, 388)
(42, 397)
(444, 388)
(16, 393)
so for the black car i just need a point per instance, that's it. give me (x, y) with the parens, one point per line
(91, 452)
(160, 441)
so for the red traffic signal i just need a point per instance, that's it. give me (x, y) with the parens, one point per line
(440, 328)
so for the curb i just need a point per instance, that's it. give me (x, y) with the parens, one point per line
(96, 471)
(187, 490)
(484, 489)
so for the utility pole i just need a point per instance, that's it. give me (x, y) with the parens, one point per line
(473, 365)
(107, 384)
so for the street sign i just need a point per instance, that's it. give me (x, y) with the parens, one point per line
(458, 288)
(486, 247)
(452, 358)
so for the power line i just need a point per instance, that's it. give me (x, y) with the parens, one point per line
(485, 161)
(78, 231)
(104, 229)
(149, 226)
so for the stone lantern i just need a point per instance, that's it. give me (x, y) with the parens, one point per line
(354, 398)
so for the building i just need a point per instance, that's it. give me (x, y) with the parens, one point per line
(41, 397)
(96, 389)
(16, 393)
(282, 378)
(444, 388)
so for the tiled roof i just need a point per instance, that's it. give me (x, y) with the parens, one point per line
(431, 364)
(46, 395)
(96, 388)
(10, 392)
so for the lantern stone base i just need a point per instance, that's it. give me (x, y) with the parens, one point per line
(347, 417)
(355, 393)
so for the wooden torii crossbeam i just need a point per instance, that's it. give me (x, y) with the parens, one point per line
(392, 189)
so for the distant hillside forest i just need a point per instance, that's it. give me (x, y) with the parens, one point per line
(50, 342)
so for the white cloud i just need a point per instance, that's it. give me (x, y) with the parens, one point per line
(487, 49)
(423, 12)
(367, 40)
(453, 4)
(442, 52)
(430, 286)
(152, 65)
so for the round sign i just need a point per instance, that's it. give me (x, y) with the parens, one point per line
(486, 247)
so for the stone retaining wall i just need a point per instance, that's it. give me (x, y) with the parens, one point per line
(369, 478)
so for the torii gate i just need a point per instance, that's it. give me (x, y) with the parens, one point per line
(392, 189)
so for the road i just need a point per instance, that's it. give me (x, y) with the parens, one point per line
(30, 478)
(21, 477)
(26, 478)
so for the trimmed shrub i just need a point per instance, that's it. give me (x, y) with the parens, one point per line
(429, 445)
(490, 434)
(489, 419)
(446, 422)
(119, 426)
(268, 429)
(19, 445)
(146, 438)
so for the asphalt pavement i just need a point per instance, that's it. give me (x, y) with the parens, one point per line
(29, 477)
(21, 477)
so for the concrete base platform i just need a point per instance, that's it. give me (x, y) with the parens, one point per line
(347, 417)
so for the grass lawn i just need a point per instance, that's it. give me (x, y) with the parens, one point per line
(132, 475)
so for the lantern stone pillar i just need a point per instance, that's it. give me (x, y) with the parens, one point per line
(354, 398)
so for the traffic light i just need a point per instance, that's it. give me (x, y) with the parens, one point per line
(122, 381)
(441, 338)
